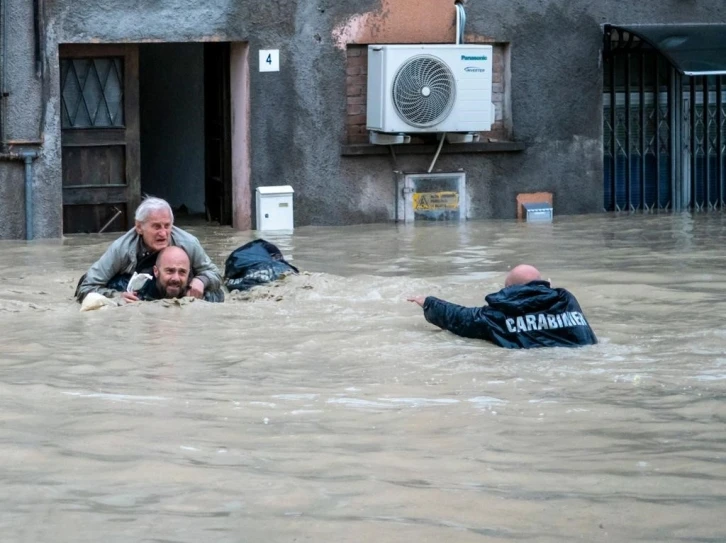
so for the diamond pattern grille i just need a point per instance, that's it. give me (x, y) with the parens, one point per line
(92, 92)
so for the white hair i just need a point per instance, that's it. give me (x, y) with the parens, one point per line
(150, 205)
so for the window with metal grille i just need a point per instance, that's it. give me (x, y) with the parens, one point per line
(704, 137)
(664, 134)
(92, 92)
(636, 128)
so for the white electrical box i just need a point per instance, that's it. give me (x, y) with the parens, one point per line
(274, 208)
(538, 211)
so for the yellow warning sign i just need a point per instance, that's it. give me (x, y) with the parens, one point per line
(435, 201)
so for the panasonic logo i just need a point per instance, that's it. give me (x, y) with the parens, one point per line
(464, 57)
(472, 69)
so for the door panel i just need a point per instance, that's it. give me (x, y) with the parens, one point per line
(87, 217)
(217, 133)
(101, 165)
(99, 136)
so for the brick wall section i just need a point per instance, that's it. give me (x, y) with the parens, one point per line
(356, 89)
(498, 130)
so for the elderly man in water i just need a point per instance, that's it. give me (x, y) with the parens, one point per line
(526, 313)
(137, 251)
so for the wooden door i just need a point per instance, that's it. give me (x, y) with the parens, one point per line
(217, 133)
(99, 136)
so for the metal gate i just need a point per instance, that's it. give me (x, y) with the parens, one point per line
(664, 133)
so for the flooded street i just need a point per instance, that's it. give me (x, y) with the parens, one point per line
(326, 408)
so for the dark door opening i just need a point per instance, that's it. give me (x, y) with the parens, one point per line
(217, 133)
(185, 123)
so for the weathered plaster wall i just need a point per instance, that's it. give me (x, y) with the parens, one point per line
(556, 100)
(298, 115)
(400, 21)
(23, 104)
(23, 127)
(12, 200)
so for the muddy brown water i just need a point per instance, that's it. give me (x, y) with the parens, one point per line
(325, 408)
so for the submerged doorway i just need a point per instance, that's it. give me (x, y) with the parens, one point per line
(185, 129)
(217, 133)
(164, 119)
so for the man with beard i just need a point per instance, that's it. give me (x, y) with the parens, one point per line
(137, 250)
(171, 277)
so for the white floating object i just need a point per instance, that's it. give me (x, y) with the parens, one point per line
(94, 301)
(137, 281)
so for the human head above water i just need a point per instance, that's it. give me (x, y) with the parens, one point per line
(172, 272)
(154, 219)
(521, 275)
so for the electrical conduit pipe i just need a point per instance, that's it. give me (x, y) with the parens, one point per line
(460, 24)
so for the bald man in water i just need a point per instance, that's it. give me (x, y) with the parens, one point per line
(526, 313)
(171, 277)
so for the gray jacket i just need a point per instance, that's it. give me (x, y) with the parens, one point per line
(121, 256)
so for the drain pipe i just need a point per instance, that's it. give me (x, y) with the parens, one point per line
(3, 71)
(27, 157)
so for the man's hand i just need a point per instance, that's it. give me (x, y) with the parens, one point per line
(196, 288)
(129, 296)
(417, 300)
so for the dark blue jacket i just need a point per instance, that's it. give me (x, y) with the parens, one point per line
(517, 317)
(255, 263)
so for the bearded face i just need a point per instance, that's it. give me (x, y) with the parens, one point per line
(172, 273)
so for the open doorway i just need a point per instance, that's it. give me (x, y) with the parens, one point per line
(184, 101)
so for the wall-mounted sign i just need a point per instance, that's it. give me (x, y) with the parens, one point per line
(431, 197)
(269, 60)
(435, 201)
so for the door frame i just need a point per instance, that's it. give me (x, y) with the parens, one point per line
(239, 80)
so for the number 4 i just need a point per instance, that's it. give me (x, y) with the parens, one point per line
(269, 60)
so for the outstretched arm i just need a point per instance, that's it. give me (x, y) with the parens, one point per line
(417, 300)
(472, 322)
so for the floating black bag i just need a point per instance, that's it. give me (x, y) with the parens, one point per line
(255, 263)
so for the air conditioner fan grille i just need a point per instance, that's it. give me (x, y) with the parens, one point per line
(424, 91)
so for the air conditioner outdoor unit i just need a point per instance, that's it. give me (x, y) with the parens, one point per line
(429, 88)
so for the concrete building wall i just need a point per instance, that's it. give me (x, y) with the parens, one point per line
(298, 115)
(26, 109)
